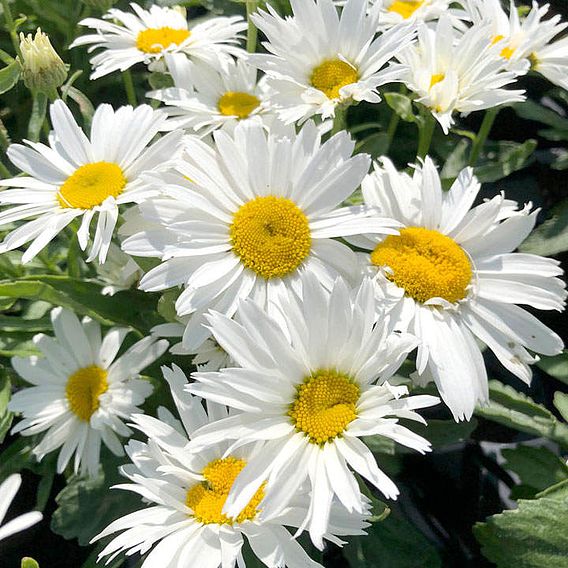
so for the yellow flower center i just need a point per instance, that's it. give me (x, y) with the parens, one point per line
(425, 263)
(206, 499)
(237, 104)
(90, 185)
(155, 40)
(84, 387)
(507, 51)
(271, 235)
(436, 78)
(533, 61)
(325, 405)
(333, 74)
(405, 8)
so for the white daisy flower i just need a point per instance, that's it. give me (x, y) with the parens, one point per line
(259, 211)
(306, 389)
(453, 72)
(526, 43)
(185, 524)
(458, 279)
(204, 99)
(397, 11)
(8, 489)
(82, 392)
(209, 356)
(80, 177)
(147, 35)
(319, 60)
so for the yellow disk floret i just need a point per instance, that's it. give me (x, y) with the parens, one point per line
(271, 235)
(426, 263)
(506, 52)
(325, 405)
(333, 74)
(436, 78)
(155, 40)
(90, 185)
(237, 104)
(207, 499)
(83, 389)
(405, 8)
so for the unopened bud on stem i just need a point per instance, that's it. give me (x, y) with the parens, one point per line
(42, 69)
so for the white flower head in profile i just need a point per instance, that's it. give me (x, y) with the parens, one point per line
(147, 35)
(458, 279)
(204, 99)
(255, 212)
(526, 43)
(310, 385)
(185, 524)
(82, 392)
(79, 177)
(318, 59)
(8, 489)
(397, 11)
(454, 72)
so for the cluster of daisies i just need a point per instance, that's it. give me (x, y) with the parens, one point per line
(297, 310)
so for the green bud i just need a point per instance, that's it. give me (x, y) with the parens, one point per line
(42, 69)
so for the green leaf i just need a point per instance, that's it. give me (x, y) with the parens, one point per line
(517, 411)
(28, 562)
(456, 161)
(537, 468)
(507, 157)
(5, 394)
(131, 307)
(402, 105)
(561, 403)
(9, 76)
(442, 433)
(530, 110)
(391, 543)
(552, 236)
(375, 145)
(86, 107)
(86, 506)
(532, 536)
(556, 366)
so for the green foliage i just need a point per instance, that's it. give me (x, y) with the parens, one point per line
(506, 158)
(392, 542)
(9, 76)
(532, 536)
(5, 415)
(86, 506)
(537, 468)
(552, 236)
(556, 366)
(132, 308)
(514, 409)
(402, 105)
(28, 562)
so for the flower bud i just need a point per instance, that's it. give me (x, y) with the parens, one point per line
(102, 5)
(42, 68)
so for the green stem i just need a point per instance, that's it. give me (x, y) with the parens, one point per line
(4, 171)
(425, 132)
(53, 94)
(252, 32)
(482, 135)
(391, 130)
(340, 120)
(129, 88)
(11, 27)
